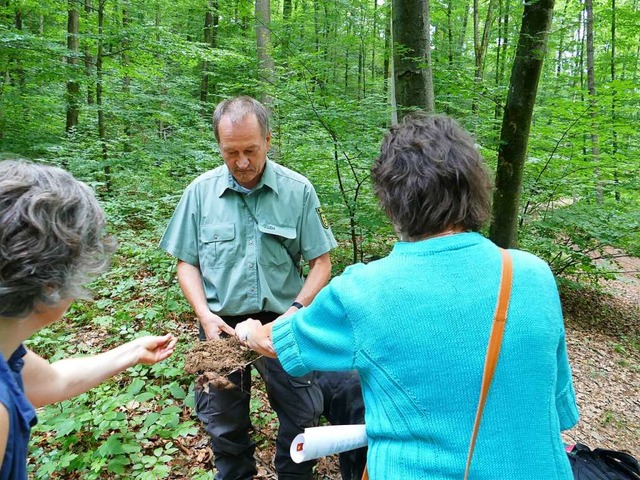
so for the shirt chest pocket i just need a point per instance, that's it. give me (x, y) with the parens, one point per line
(219, 245)
(277, 244)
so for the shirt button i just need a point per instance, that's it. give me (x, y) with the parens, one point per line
(250, 265)
(250, 242)
(215, 237)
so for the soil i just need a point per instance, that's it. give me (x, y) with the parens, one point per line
(213, 360)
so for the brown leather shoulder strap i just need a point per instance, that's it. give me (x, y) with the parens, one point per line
(493, 350)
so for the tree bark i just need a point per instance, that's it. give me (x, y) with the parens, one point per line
(88, 57)
(450, 32)
(286, 21)
(102, 125)
(374, 42)
(20, 73)
(516, 122)
(480, 45)
(73, 89)
(126, 79)
(614, 93)
(593, 102)
(210, 39)
(465, 21)
(263, 40)
(386, 66)
(501, 53)
(412, 56)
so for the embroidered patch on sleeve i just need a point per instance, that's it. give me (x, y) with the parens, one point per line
(323, 218)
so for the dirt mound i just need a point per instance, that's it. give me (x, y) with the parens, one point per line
(213, 360)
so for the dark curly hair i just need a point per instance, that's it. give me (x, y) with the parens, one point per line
(52, 237)
(430, 177)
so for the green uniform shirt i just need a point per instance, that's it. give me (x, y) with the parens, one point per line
(248, 247)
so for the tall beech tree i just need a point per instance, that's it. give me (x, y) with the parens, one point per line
(412, 56)
(73, 88)
(516, 122)
(266, 66)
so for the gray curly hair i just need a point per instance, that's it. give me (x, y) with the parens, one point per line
(52, 237)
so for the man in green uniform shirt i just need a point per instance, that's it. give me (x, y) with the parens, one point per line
(239, 233)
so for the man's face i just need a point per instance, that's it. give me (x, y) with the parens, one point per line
(243, 149)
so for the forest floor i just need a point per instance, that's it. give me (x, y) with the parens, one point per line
(603, 338)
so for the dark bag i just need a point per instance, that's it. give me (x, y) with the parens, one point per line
(600, 464)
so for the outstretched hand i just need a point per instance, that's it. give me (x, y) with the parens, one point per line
(153, 349)
(256, 336)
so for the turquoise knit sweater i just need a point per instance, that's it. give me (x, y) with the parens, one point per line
(415, 325)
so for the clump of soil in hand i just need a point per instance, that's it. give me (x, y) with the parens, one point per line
(213, 360)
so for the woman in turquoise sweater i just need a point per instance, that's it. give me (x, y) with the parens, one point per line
(416, 324)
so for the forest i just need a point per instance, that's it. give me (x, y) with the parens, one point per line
(121, 94)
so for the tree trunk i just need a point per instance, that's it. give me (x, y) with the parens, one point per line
(346, 62)
(412, 56)
(73, 89)
(211, 19)
(386, 70)
(88, 57)
(102, 126)
(450, 32)
(126, 79)
(286, 23)
(501, 53)
(561, 44)
(614, 93)
(516, 122)
(374, 42)
(480, 45)
(465, 21)
(593, 103)
(263, 40)
(20, 73)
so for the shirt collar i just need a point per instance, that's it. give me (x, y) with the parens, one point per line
(268, 179)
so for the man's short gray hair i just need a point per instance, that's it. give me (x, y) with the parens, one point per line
(237, 108)
(52, 237)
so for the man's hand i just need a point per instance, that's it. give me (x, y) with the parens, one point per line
(256, 336)
(213, 326)
(154, 349)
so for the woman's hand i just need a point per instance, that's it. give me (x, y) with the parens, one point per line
(153, 349)
(256, 336)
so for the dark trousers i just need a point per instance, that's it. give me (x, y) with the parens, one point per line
(225, 414)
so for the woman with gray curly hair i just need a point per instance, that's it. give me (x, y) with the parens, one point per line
(416, 324)
(52, 242)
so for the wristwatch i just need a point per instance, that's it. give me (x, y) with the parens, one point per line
(298, 305)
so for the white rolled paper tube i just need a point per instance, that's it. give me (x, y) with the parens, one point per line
(319, 442)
